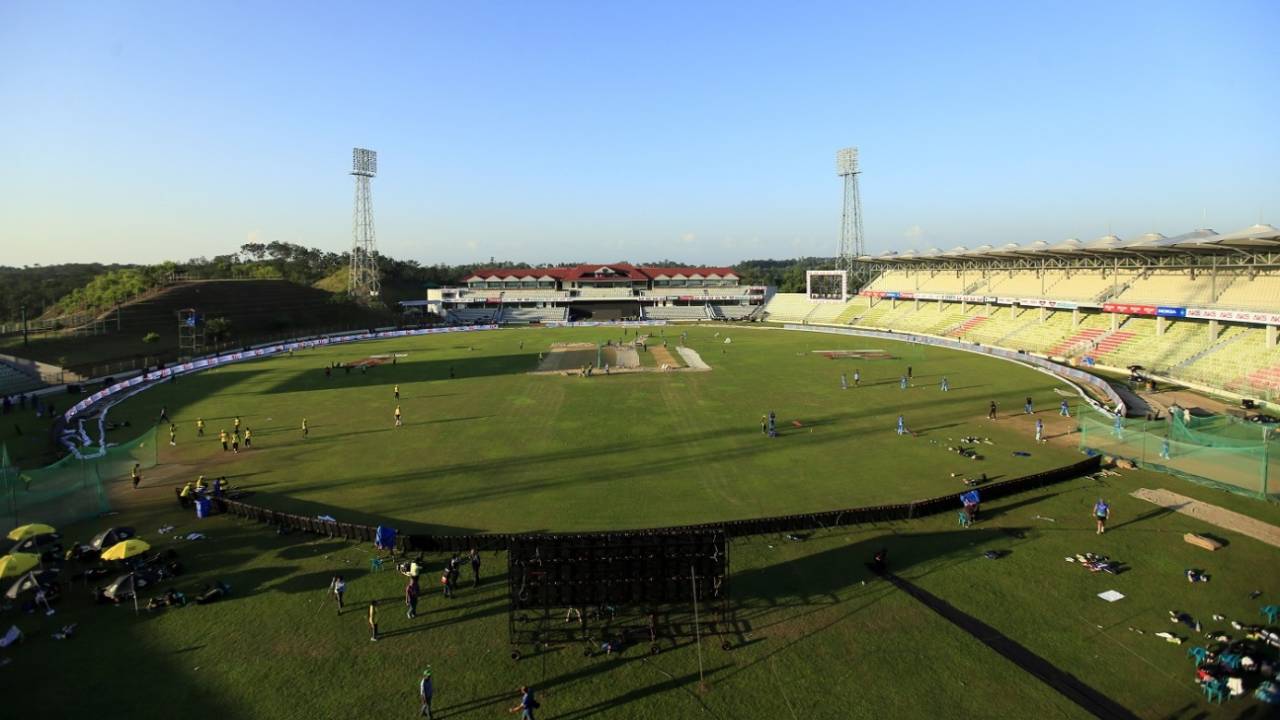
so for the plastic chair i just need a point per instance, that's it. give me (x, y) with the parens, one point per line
(1271, 611)
(1231, 660)
(375, 564)
(964, 518)
(1215, 691)
(1198, 653)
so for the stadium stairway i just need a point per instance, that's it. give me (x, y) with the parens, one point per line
(967, 326)
(1079, 340)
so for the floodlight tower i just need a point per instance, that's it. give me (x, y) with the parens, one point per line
(363, 282)
(851, 222)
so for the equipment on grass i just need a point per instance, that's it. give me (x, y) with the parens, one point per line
(616, 581)
(1201, 541)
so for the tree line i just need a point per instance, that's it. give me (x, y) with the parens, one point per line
(55, 290)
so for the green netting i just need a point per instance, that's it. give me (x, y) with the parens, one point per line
(1233, 456)
(71, 489)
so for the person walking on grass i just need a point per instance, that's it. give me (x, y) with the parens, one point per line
(844, 381)
(527, 704)
(338, 587)
(236, 425)
(991, 411)
(1027, 407)
(248, 437)
(373, 620)
(1064, 409)
(304, 427)
(222, 438)
(396, 391)
(399, 422)
(1039, 430)
(164, 414)
(173, 435)
(946, 386)
(902, 425)
(475, 568)
(411, 599)
(135, 475)
(426, 690)
(857, 378)
(199, 427)
(1101, 512)
(902, 383)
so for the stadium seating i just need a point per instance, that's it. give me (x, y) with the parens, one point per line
(524, 315)
(13, 380)
(1260, 293)
(734, 312)
(1172, 288)
(788, 307)
(826, 312)
(1157, 353)
(1239, 361)
(473, 315)
(676, 312)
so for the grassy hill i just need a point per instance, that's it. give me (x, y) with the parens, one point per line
(256, 310)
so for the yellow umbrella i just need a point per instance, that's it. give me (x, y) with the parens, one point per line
(17, 564)
(26, 531)
(127, 549)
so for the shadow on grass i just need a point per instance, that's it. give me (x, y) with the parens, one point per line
(1069, 686)
(410, 371)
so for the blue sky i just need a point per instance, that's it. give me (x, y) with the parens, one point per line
(702, 132)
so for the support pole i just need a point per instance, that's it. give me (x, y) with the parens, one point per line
(697, 629)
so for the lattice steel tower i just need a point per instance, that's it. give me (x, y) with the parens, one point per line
(851, 246)
(363, 283)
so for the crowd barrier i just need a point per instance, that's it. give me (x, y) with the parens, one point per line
(802, 522)
(1071, 375)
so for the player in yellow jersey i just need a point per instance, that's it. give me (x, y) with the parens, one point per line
(199, 427)
(222, 438)
(398, 421)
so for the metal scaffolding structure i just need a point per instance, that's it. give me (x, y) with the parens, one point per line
(851, 244)
(363, 283)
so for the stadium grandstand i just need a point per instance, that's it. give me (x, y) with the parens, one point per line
(596, 292)
(1200, 309)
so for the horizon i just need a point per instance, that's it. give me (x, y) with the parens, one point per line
(705, 134)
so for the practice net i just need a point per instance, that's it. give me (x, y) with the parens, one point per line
(71, 489)
(1221, 451)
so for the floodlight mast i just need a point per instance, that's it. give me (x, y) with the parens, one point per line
(851, 245)
(363, 283)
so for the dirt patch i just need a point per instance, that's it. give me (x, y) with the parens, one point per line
(624, 357)
(664, 358)
(1212, 514)
(568, 356)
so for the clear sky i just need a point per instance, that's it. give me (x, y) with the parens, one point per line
(697, 131)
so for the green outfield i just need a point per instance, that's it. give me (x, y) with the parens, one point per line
(497, 449)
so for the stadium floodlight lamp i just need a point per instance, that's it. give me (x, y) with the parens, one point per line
(847, 161)
(364, 162)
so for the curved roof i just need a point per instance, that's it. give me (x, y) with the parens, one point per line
(1106, 242)
(1066, 246)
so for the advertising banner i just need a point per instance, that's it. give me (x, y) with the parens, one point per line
(1245, 316)
(1127, 309)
